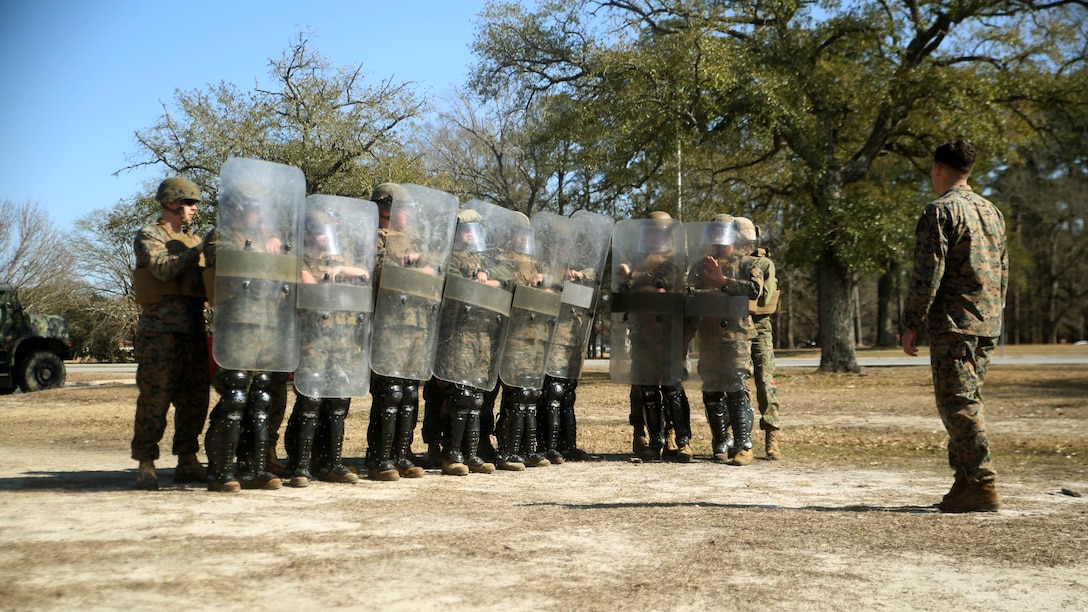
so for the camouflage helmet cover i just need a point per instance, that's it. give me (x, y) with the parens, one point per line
(384, 194)
(746, 228)
(177, 189)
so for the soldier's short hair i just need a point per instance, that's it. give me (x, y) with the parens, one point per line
(958, 154)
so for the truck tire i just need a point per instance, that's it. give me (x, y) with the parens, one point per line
(41, 370)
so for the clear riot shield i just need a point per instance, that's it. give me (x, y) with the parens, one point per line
(475, 310)
(256, 268)
(718, 305)
(587, 254)
(412, 272)
(541, 250)
(336, 296)
(648, 270)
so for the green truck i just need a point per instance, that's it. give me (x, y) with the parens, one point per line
(33, 347)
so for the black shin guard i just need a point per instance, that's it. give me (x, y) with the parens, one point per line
(225, 425)
(717, 416)
(548, 409)
(654, 413)
(334, 412)
(255, 447)
(568, 424)
(299, 437)
(676, 402)
(407, 414)
(740, 419)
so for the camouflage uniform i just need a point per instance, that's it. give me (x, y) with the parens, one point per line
(394, 409)
(761, 310)
(655, 407)
(315, 431)
(171, 345)
(724, 344)
(517, 422)
(250, 404)
(957, 292)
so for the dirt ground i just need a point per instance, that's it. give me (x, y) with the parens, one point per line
(843, 522)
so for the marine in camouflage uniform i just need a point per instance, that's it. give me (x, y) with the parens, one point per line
(394, 409)
(957, 291)
(315, 430)
(724, 342)
(469, 347)
(761, 309)
(517, 423)
(239, 439)
(655, 407)
(171, 343)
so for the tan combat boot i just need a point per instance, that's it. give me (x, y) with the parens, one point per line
(481, 468)
(410, 471)
(684, 454)
(773, 452)
(377, 473)
(269, 484)
(189, 470)
(225, 486)
(975, 497)
(298, 481)
(509, 466)
(742, 457)
(342, 475)
(454, 468)
(958, 485)
(146, 479)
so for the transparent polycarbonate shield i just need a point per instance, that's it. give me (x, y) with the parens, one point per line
(648, 283)
(586, 254)
(542, 249)
(413, 267)
(475, 312)
(257, 265)
(717, 305)
(336, 296)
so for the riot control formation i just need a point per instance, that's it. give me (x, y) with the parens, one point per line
(410, 293)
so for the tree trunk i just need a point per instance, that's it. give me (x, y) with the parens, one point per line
(836, 320)
(887, 329)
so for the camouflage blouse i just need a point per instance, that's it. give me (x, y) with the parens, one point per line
(961, 267)
(169, 254)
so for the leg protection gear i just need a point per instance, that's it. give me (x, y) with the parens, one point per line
(407, 415)
(548, 414)
(654, 414)
(225, 425)
(463, 400)
(382, 431)
(717, 416)
(568, 424)
(676, 402)
(740, 418)
(299, 439)
(512, 425)
(334, 412)
(254, 455)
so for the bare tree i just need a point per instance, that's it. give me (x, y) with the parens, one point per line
(34, 256)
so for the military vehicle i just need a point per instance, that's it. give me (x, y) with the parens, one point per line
(33, 347)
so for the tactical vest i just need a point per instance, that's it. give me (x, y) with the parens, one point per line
(190, 283)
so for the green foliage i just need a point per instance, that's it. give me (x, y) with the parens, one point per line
(810, 114)
(344, 134)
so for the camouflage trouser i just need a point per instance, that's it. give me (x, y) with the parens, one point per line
(173, 368)
(278, 406)
(763, 372)
(959, 365)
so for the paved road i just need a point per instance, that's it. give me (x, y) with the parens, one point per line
(781, 362)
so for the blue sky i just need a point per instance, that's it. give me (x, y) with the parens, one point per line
(79, 77)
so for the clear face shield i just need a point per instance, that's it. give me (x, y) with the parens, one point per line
(717, 234)
(322, 241)
(525, 241)
(470, 238)
(653, 240)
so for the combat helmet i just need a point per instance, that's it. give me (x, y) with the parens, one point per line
(471, 222)
(384, 194)
(721, 231)
(747, 230)
(177, 189)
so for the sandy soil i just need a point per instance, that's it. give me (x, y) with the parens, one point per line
(844, 522)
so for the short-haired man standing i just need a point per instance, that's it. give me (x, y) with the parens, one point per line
(957, 290)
